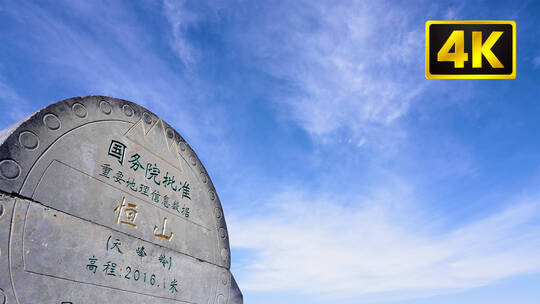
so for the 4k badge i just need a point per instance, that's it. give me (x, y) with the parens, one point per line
(470, 49)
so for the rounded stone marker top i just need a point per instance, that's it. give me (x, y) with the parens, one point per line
(102, 201)
(85, 156)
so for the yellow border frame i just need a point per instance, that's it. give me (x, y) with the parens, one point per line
(473, 76)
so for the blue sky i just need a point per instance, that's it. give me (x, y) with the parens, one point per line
(345, 175)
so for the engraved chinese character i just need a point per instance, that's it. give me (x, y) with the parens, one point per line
(143, 189)
(185, 190)
(130, 183)
(92, 266)
(141, 252)
(110, 268)
(119, 177)
(185, 211)
(116, 245)
(169, 181)
(162, 234)
(163, 260)
(126, 214)
(135, 163)
(116, 150)
(173, 285)
(165, 201)
(155, 196)
(175, 206)
(152, 172)
(105, 170)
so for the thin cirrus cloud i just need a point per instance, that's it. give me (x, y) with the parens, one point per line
(99, 52)
(354, 82)
(113, 55)
(536, 62)
(180, 19)
(323, 248)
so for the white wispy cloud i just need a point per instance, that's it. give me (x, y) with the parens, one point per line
(374, 247)
(180, 19)
(100, 57)
(536, 62)
(358, 65)
(104, 48)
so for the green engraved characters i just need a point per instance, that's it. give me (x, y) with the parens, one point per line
(140, 251)
(115, 245)
(173, 289)
(164, 261)
(185, 190)
(114, 268)
(105, 170)
(110, 268)
(166, 201)
(131, 184)
(168, 181)
(185, 211)
(91, 266)
(143, 189)
(152, 172)
(155, 196)
(135, 163)
(119, 177)
(117, 150)
(176, 207)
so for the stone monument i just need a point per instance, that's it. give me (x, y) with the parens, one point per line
(101, 201)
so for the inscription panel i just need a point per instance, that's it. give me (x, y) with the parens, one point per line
(120, 210)
(53, 247)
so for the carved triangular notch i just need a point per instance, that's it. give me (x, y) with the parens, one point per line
(134, 136)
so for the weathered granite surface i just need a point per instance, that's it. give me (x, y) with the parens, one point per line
(103, 202)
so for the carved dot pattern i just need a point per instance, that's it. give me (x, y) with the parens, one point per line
(105, 107)
(170, 133)
(204, 179)
(10, 169)
(51, 122)
(28, 140)
(128, 111)
(217, 212)
(222, 232)
(147, 118)
(182, 146)
(79, 110)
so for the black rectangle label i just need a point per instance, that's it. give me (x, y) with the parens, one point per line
(470, 49)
